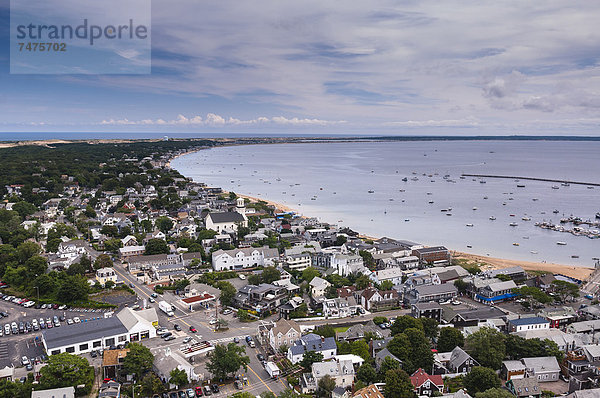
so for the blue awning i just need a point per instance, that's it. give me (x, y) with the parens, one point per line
(497, 298)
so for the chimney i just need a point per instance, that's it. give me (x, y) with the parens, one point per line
(322, 339)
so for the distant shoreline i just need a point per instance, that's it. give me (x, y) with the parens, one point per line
(576, 272)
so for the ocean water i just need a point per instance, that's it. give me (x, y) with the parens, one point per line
(339, 177)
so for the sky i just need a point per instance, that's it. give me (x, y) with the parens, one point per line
(334, 67)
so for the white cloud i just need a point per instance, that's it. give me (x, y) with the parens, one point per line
(214, 120)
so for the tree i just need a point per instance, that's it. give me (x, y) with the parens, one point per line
(164, 224)
(404, 322)
(430, 327)
(518, 347)
(270, 275)
(325, 331)
(178, 377)
(228, 292)
(26, 250)
(388, 364)
(151, 384)
(366, 373)
(103, 261)
(73, 288)
(36, 265)
(378, 320)
(449, 339)
(367, 258)
(480, 379)
(532, 294)
(461, 285)
(565, 290)
(420, 353)
(494, 393)
(90, 212)
(157, 246)
(386, 285)
(24, 208)
(398, 385)
(309, 273)
(362, 282)
(487, 346)
(331, 292)
(113, 245)
(226, 360)
(64, 370)
(139, 360)
(326, 386)
(309, 358)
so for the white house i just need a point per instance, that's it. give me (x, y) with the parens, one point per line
(346, 264)
(284, 333)
(341, 371)
(225, 221)
(104, 275)
(393, 275)
(318, 286)
(326, 346)
(244, 258)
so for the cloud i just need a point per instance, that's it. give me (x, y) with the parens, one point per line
(214, 120)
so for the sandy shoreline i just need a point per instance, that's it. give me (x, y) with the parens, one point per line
(488, 262)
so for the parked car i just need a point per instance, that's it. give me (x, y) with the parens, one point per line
(169, 338)
(177, 327)
(24, 361)
(193, 329)
(260, 357)
(215, 388)
(236, 340)
(190, 393)
(207, 391)
(199, 391)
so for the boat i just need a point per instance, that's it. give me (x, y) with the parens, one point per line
(405, 179)
(482, 182)
(598, 215)
(444, 210)
(555, 187)
(513, 224)
(391, 200)
(520, 186)
(448, 214)
(555, 211)
(469, 225)
(406, 220)
(431, 202)
(575, 256)
(590, 187)
(515, 244)
(561, 243)
(526, 218)
(469, 246)
(535, 199)
(526, 237)
(492, 218)
(485, 197)
(429, 193)
(533, 252)
(371, 191)
(474, 208)
(565, 184)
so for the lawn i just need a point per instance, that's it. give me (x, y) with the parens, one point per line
(341, 329)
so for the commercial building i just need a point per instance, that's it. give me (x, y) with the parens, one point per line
(126, 326)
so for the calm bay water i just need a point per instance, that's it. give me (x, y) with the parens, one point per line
(340, 175)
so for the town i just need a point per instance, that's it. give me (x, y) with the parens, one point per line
(122, 278)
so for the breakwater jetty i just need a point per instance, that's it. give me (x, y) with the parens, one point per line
(591, 184)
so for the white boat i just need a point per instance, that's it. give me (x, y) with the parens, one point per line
(526, 218)
(492, 218)
(533, 252)
(474, 208)
(561, 243)
(469, 225)
(555, 187)
(513, 224)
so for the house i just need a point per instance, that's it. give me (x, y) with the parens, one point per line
(63, 392)
(284, 333)
(126, 252)
(106, 274)
(460, 361)
(346, 264)
(262, 298)
(249, 257)
(423, 294)
(370, 391)
(339, 307)
(544, 369)
(525, 387)
(359, 331)
(129, 240)
(515, 273)
(342, 372)
(312, 342)
(584, 327)
(299, 261)
(225, 221)
(112, 361)
(393, 275)
(425, 384)
(496, 292)
(318, 286)
(513, 368)
(427, 310)
(532, 323)
(110, 389)
(373, 300)
(559, 317)
(148, 262)
(382, 355)
(565, 341)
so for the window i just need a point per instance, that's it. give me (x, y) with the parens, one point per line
(97, 344)
(83, 347)
(70, 349)
(109, 342)
(122, 339)
(55, 352)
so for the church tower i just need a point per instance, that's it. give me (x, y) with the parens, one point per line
(241, 206)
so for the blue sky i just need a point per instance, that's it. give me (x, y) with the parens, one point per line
(334, 67)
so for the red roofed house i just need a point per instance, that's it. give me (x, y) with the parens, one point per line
(425, 384)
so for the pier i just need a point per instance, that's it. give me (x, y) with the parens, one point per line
(591, 184)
